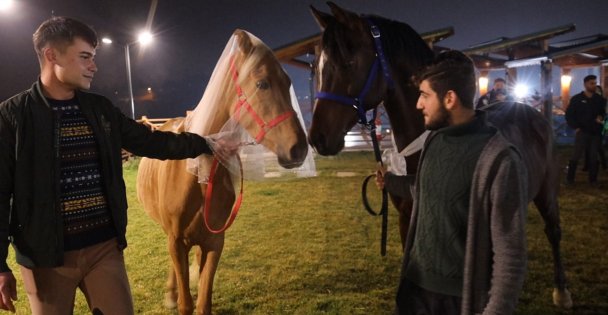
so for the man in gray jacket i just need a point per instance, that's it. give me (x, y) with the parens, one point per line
(465, 251)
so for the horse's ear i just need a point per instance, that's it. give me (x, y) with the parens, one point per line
(243, 40)
(343, 16)
(322, 18)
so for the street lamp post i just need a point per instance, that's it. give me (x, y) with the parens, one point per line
(128, 62)
(144, 38)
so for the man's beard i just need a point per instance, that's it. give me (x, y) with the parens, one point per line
(440, 120)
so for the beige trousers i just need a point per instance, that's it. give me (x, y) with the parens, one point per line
(98, 270)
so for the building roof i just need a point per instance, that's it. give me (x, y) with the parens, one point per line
(498, 53)
(288, 53)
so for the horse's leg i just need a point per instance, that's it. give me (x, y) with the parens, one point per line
(404, 207)
(546, 202)
(211, 251)
(171, 291)
(179, 255)
(195, 268)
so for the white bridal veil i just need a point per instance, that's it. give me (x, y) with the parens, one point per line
(258, 162)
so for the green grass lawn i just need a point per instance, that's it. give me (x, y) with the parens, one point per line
(306, 246)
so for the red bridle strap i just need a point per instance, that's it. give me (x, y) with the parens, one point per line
(209, 191)
(242, 102)
(264, 128)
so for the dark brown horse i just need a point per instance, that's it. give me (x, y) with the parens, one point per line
(366, 60)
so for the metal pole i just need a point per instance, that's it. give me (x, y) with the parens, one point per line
(546, 71)
(128, 61)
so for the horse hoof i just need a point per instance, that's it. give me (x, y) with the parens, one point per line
(170, 301)
(562, 298)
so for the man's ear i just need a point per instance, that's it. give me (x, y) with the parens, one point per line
(450, 100)
(49, 54)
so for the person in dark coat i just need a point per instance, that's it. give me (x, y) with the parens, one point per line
(585, 114)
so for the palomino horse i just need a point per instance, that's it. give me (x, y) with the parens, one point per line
(352, 45)
(257, 84)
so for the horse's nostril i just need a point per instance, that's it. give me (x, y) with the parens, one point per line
(298, 152)
(321, 140)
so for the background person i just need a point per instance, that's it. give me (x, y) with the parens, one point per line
(497, 94)
(585, 114)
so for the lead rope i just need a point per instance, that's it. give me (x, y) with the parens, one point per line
(384, 206)
(209, 192)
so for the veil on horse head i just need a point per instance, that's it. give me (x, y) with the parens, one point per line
(224, 84)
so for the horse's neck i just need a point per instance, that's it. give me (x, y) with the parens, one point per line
(400, 103)
(406, 121)
(224, 108)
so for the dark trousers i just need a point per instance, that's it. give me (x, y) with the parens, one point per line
(414, 300)
(590, 144)
(600, 154)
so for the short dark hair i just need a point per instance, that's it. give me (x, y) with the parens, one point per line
(61, 31)
(451, 70)
(500, 80)
(589, 78)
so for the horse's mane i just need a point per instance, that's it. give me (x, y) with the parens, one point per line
(401, 43)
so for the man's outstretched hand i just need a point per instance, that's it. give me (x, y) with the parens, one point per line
(8, 291)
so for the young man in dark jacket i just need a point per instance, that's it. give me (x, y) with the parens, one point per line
(62, 195)
(585, 114)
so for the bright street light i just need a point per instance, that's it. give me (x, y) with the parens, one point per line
(6, 5)
(144, 39)
(521, 90)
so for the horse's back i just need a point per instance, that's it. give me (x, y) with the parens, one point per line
(166, 185)
(531, 133)
(174, 124)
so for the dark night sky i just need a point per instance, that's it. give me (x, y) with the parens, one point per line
(190, 35)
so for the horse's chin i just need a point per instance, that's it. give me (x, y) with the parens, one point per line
(326, 145)
(294, 156)
(290, 163)
(329, 150)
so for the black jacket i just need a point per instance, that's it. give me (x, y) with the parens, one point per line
(30, 216)
(583, 111)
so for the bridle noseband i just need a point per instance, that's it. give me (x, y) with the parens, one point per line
(242, 102)
(264, 128)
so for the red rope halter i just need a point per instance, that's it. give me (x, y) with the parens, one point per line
(264, 128)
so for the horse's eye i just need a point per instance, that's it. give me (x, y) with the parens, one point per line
(262, 85)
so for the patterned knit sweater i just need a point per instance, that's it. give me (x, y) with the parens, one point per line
(86, 218)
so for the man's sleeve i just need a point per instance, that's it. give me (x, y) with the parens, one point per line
(398, 185)
(508, 235)
(141, 141)
(570, 116)
(7, 170)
